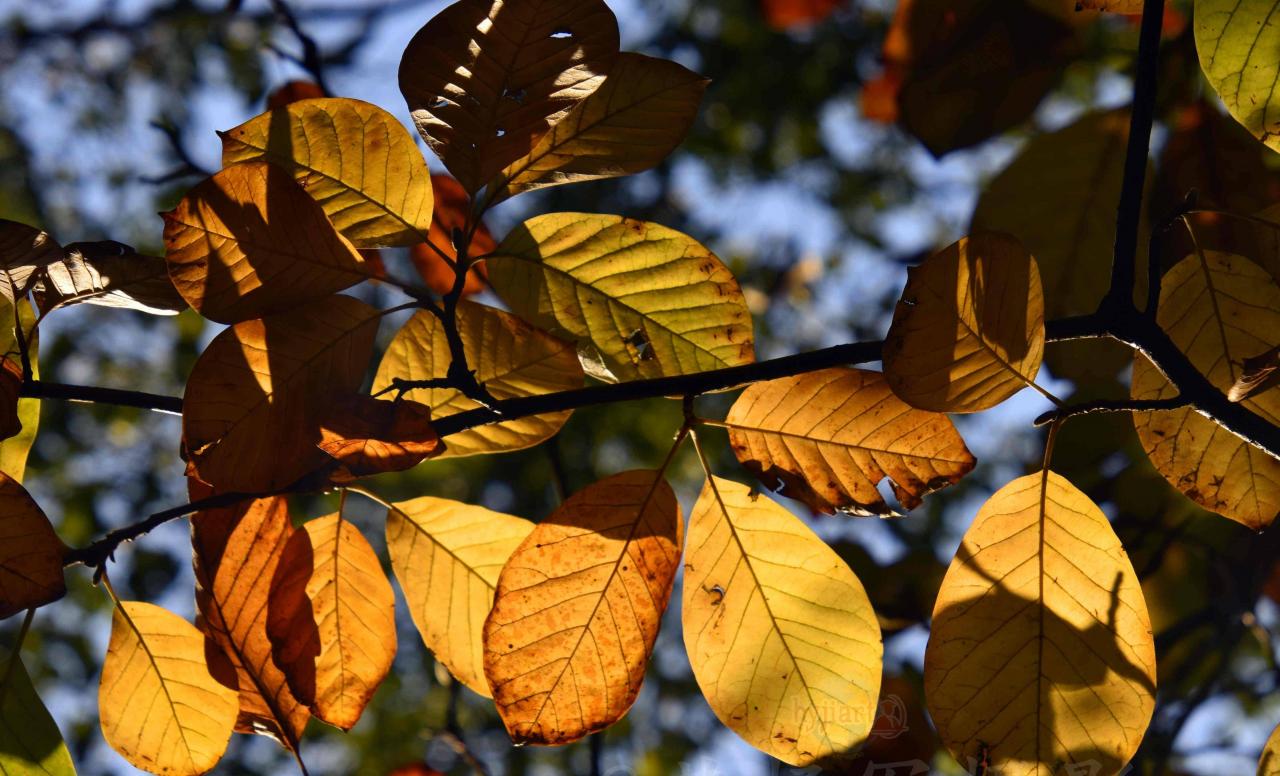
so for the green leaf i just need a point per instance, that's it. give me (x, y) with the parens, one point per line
(30, 743)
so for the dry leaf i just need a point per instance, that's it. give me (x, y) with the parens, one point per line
(30, 552)
(828, 437)
(1257, 374)
(578, 607)
(331, 619)
(109, 274)
(370, 436)
(23, 251)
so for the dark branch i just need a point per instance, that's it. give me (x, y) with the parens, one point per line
(1111, 405)
(41, 389)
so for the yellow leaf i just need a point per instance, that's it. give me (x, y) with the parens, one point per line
(1041, 654)
(354, 158)
(160, 707)
(249, 241)
(236, 552)
(633, 121)
(780, 633)
(1219, 312)
(331, 619)
(1236, 42)
(15, 449)
(447, 556)
(257, 395)
(578, 607)
(30, 552)
(510, 358)
(1269, 762)
(828, 437)
(968, 332)
(642, 299)
(484, 79)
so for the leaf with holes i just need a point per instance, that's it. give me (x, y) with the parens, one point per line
(645, 300)
(578, 606)
(1236, 42)
(109, 274)
(634, 120)
(1219, 309)
(371, 436)
(1041, 655)
(24, 250)
(968, 332)
(30, 552)
(257, 396)
(828, 437)
(249, 241)
(484, 79)
(447, 556)
(510, 358)
(354, 158)
(331, 619)
(236, 552)
(161, 708)
(780, 633)
(30, 742)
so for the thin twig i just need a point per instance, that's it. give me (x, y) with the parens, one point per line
(1111, 405)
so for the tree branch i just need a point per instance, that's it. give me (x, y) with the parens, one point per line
(42, 389)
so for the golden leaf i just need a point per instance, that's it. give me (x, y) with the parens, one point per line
(447, 556)
(257, 396)
(828, 437)
(1041, 655)
(510, 358)
(484, 79)
(331, 619)
(161, 708)
(646, 300)
(630, 123)
(578, 607)
(780, 633)
(370, 436)
(1235, 41)
(1219, 312)
(1269, 762)
(236, 552)
(249, 241)
(354, 158)
(30, 552)
(968, 332)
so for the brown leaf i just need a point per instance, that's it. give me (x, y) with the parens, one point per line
(10, 394)
(236, 552)
(293, 91)
(331, 619)
(257, 395)
(452, 207)
(23, 250)
(1257, 374)
(485, 79)
(828, 437)
(578, 608)
(109, 274)
(30, 552)
(250, 241)
(370, 436)
(787, 14)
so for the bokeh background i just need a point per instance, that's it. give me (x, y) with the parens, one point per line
(830, 153)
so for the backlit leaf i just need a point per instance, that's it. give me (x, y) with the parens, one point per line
(786, 14)
(236, 552)
(30, 742)
(578, 607)
(331, 619)
(249, 241)
(1257, 373)
(484, 79)
(23, 250)
(1269, 762)
(15, 449)
(1041, 656)
(632, 122)
(370, 435)
(257, 395)
(968, 332)
(829, 437)
(447, 556)
(782, 639)
(510, 358)
(354, 158)
(161, 708)
(109, 274)
(1219, 312)
(30, 552)
(1237, 41)
(452, 206)
(645, 300)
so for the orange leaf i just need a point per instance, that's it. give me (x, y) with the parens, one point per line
(371, 435)
(30, 552)
(236, 552)
(578, 607)
(331, 619)
(292, 92)
(250, 241)
(785, 14)
(452, 205)
(257, 395)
